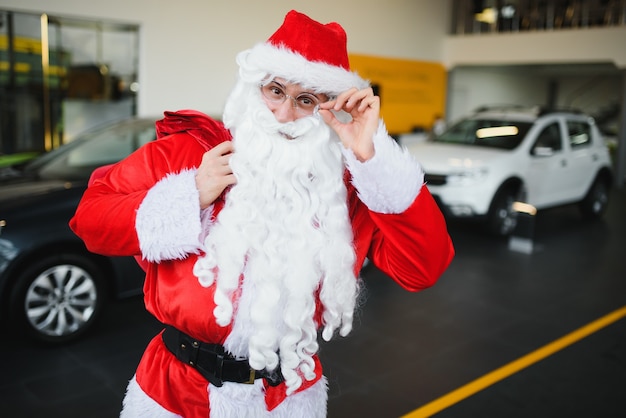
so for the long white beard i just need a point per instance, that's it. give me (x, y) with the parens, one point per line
(282, 239)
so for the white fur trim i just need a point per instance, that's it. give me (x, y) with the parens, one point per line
(248, 401)
(391, 180)
(282, 62)
(168, 220)
(234, 400)
(137, 404)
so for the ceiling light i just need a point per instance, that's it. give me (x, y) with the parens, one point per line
(488, 15)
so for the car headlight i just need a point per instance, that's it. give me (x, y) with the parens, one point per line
(7, 253)
(467, 177)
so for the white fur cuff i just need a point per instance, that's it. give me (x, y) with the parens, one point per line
(391, 180)
(168, 220)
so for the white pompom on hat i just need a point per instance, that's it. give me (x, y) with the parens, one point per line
(305, 52)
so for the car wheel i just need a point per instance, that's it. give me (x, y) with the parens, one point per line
(502, 219)
(57, 299)
(596, 201)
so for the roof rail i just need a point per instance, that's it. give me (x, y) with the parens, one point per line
(544, 110)
(537, 109)
(485, 108)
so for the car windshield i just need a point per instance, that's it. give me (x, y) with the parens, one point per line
(492, 133)
(77, 159)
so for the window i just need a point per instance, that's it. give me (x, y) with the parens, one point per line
(550, 137)
(60, 76)
(491, 133)
(579, 134)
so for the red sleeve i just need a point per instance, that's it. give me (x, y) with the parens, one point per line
(105, 217)
(413, 247)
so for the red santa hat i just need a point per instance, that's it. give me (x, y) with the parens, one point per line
(306, 52)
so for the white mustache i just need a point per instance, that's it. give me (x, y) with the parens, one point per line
(292, 130)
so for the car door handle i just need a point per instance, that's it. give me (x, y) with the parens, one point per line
(563, 163)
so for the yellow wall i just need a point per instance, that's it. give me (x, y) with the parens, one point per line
(412, 93)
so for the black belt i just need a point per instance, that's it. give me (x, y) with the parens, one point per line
(213, 362)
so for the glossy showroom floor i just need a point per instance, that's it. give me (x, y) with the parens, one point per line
(492, 307)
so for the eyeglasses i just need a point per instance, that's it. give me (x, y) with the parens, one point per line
(305, 103)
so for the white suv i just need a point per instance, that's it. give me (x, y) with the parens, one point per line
(481, 165)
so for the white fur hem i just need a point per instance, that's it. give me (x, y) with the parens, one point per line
(391, 180)
(168, 220)
(234, 400)
(248, 401)
(137, 404)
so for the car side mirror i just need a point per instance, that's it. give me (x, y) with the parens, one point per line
(543, 151)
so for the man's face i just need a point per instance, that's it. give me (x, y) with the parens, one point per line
(289, 102)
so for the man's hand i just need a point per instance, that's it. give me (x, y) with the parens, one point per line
(358, 134)
(214, 173)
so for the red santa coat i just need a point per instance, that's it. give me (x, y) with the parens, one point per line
(413, 248)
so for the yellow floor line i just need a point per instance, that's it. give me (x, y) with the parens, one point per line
(515, 366)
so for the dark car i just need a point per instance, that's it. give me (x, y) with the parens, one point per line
(51, 287)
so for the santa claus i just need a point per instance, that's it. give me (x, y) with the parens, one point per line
(252, 232)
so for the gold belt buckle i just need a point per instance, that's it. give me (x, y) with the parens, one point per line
(250, 381)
